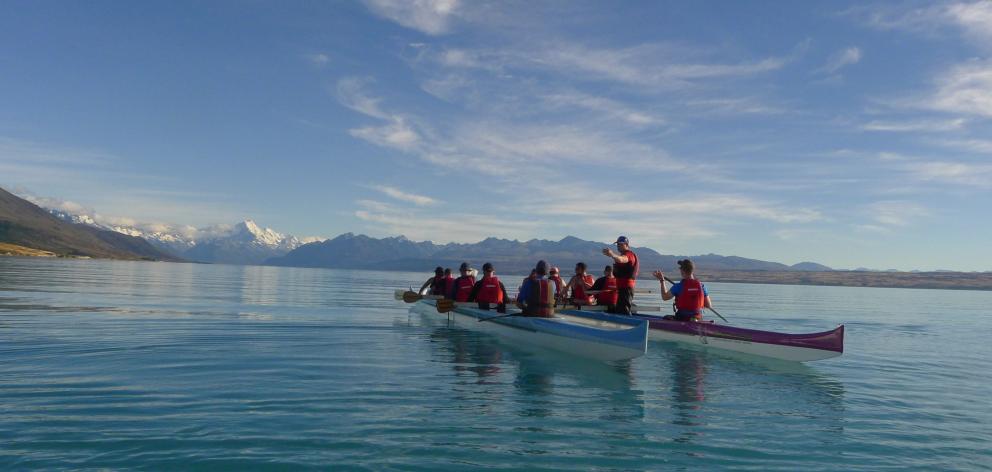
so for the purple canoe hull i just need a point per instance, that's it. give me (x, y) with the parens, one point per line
(832, 340)
(784, 346)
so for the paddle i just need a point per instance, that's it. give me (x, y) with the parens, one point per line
(412, 297)
(500, 316)
(714, 311)
(445, 305)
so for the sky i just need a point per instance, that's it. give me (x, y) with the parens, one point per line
(850, 134)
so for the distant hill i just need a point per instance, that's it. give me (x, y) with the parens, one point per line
(24, 223)
(350, 251)
(811, 267)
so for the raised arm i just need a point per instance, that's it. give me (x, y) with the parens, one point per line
(425, 285)
(666, 295)
(618, 258)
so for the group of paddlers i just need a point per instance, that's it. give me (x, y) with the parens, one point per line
(544, 289)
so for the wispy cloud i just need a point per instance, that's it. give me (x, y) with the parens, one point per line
(395, 133)
(420, 200)
(650, 65)
(957, 173)
(965, 89)
(612, 109)
(841, 59)
(318, 59)
(915, 125)
(983, 146)
(431, 17)
(890, 213)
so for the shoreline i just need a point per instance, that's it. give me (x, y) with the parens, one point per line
(981, 281)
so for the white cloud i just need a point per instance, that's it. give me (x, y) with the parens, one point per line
(420, 200)
(965, 89)
(650, 65)
(735, 106)
(983, 146)
(975, 18)
(841, 59)
(396, 133)
(957, 173)
(318, 59)
(889, 213)
(914, 126)
(610, 108)
(432, 17)
(969, 17)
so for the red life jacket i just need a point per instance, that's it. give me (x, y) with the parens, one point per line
(449, 283)
(691, 297)
(579, 291)
(463, 288)
(608, 295)
(626, 273)
(541, 299)
(490, 291)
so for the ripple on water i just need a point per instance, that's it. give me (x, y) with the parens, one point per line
(125, 365)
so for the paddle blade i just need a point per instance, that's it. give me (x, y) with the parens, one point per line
(411, 297)
(445, 305)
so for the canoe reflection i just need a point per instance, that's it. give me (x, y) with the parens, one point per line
(536, 374)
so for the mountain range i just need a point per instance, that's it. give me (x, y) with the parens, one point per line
(350, 251)
(243, 243)
(248, 243)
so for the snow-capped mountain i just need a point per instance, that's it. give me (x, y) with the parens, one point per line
(242, 243)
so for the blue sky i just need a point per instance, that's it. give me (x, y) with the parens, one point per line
(851, 134)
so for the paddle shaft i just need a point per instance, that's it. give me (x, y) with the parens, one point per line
(500, 316)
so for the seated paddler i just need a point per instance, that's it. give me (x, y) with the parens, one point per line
(489, 291)
(690, 294)
(462, 287)
(580, 284)
(537, 295)
(436, 284)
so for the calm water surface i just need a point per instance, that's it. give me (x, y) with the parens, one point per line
(124, 365)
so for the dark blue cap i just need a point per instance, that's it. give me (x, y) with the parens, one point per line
(622, 239)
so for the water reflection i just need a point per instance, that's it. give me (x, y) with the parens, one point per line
(688, 391)
(538, 377)
(802, 393)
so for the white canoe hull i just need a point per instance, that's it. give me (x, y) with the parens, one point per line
(520, 334)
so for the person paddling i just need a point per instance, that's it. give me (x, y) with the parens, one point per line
(625, 268)
(606, 286)
(462, 287)
(436, 283)
(537, 295)
(690, 294)
(555, 275)
(489, 290)
(580, 284)
(449, 281)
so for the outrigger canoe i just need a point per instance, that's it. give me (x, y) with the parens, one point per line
(783, 346)
(596, 336)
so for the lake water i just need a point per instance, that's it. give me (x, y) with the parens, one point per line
(122, 365)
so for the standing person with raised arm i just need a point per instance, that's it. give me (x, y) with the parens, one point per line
(625, 268)
(690, 294)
